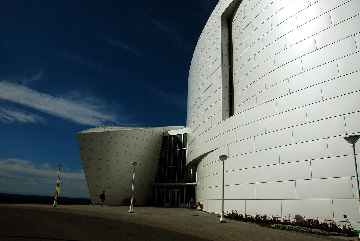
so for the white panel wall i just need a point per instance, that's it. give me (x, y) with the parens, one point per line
(107, 154)
(296, 80)
(269, 190)
(309, 208)
(269, 207)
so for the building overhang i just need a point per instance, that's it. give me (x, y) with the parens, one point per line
(175, 184)
(197, 160)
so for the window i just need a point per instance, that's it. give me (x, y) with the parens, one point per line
(227, 60)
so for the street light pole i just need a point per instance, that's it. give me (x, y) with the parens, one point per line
(223, 158)
(57, 192)
(352, 139)
(131, 210)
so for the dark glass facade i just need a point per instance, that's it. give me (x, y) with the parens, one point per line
(175, 182)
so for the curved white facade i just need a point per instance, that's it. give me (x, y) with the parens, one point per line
(107, 153)
(293, 69)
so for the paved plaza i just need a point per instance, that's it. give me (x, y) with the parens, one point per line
(94, 222)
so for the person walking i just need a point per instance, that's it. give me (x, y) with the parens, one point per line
(102, 197)
(191, 203)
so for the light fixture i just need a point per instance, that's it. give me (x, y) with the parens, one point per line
(352, 139)
(223, 158)
(57, 189)
(131, 210)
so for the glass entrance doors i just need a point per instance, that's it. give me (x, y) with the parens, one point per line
(160, 197)
(174, 197)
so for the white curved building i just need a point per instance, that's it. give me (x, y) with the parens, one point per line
(275, 85)
(107, 153)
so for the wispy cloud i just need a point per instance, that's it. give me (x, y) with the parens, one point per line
(172, 98)
(81, 60)
(78, 111)
(13, 115)
(168, 32)
(34, 78)
(77, 59)
(40, 180)
(25, 78)
(24, 168)
(205, 4)
(124, 46)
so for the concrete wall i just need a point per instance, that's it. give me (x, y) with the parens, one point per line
(296, 81)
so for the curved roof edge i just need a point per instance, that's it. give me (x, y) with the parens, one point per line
(117, 128)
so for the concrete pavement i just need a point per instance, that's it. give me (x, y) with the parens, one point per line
(94, 222)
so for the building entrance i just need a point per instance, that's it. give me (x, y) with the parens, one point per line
(160, 197)
(175, 197)
(174, 182)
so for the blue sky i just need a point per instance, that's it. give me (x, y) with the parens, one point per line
(67, 66)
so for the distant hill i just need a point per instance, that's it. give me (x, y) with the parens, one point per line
(6, 198)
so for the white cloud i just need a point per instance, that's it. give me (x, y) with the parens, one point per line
(123, 46)
(78, 111)
(80, 60)
(26, 79)
(32, 79)
(11, 115)
(87, 62)
(175, 99)
(24, 168)
(22, 176)
(46, 166)
(168, 32)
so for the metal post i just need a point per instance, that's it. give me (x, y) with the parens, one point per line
(57, 189)
(131, 210)
(356, 171)
(352, 139)
(223, 158)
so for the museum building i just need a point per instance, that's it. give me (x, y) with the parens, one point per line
(273, 85)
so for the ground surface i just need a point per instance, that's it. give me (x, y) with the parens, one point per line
(86, 222)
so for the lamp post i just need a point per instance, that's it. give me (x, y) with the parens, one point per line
(131, 210)
(223, 158)
(352, 139)
(57, 192)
